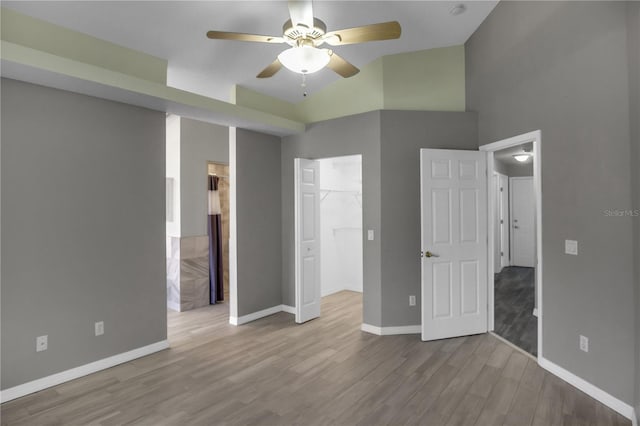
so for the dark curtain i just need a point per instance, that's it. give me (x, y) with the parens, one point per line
(216, 289)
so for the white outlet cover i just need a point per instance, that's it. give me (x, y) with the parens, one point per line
(412, 301)
(99, 328)
(370, 234)
(571, 247)
(584, 343)
(42, 343)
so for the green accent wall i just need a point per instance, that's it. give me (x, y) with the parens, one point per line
(248, 98)
(425, 80)
(347, 96)
(46, 37)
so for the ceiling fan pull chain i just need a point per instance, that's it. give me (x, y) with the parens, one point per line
(304, 85)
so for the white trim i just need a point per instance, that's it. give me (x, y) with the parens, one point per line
(388, 331)
(536, 138)
(233, 228)
(84, 370)
(368, 328)
(610, 401)
(260, 314)
(289, 309)
(634, 419)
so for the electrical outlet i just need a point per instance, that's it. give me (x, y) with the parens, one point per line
(584, 343)
(370, 234)
(571, 247)
(99, 328)
(412, 301)
(42, 343)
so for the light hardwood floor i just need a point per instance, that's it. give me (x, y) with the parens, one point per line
(325, 372)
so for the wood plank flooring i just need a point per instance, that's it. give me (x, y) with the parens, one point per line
(325, 372)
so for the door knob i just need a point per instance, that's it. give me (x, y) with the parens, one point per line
(429, 254)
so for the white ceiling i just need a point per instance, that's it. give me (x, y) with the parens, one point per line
(175, 30)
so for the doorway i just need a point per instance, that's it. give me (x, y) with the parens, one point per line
(514, 246)
(515, 267)
(458, 213)
(329, 238)
(222, 172)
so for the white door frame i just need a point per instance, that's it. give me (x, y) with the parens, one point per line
(536, 138)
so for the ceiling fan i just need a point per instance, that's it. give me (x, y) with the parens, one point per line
(305, 34)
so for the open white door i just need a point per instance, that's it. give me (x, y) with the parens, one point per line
(307, 239)
(454, 243)
(523, 246)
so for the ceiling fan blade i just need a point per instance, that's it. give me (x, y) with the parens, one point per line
(341, 66)
(301, 12)
(225, 35)
(270, 70)
(374, 32)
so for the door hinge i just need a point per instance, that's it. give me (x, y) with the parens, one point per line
(501, 189)
(501, 222)
(501, 254)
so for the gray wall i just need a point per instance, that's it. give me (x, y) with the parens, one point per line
(389, 142)
(358, 134)
(561, 67)
(200, 143)
(259, 216)
(83, 229)
(403, 133)
(633, 48)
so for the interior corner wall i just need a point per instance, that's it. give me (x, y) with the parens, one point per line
(403, 134)
(561, 67)
(258, 221)
(200, 142)
(357, 134)
(633, 48)
(83, 229)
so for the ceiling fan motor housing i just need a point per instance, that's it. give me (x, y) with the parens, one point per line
(300, 31)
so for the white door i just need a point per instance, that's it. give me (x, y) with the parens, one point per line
(454, 243)
(522, 221)
(307, 239)
(503, 198)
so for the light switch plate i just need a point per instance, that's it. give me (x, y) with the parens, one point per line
(571, 247)
(99, 328)
(42, 343)
(370, 234)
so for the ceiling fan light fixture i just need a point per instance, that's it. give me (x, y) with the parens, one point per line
(304, 59)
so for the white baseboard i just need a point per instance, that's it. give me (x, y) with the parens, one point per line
(261, 314)
(84, 370)
(173, 306)
(596, 393)
(388, 331)
(634, 419)
(289, 309)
